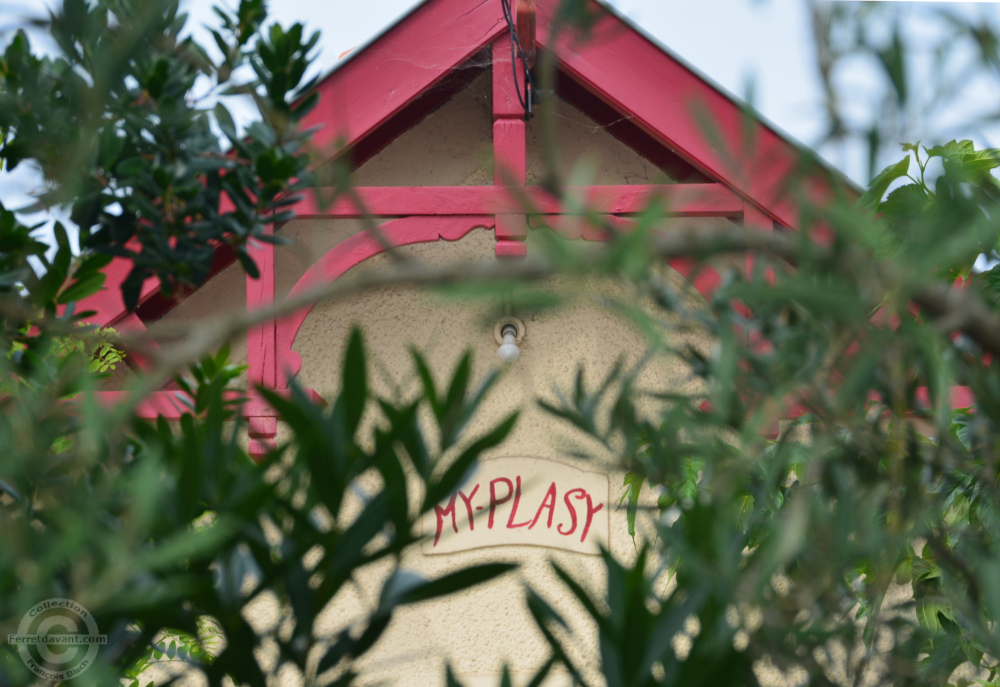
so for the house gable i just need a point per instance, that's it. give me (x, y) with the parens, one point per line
(373, 106)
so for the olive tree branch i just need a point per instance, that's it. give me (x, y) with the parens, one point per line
(961, 310)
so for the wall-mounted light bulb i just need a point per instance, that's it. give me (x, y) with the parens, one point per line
(509, 351)
(508, 333)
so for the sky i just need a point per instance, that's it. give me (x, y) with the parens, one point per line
(733, 42)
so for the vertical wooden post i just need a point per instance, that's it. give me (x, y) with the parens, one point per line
(262, 426)
(509, 147)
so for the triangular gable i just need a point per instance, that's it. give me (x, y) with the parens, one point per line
(666, 99)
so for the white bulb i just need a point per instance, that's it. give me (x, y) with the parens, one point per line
(508, 351)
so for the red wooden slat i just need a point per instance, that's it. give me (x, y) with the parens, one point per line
(510, 160)
(261, 339)
(506, 103)
(511, 249)
(681, 200)
(509, 154)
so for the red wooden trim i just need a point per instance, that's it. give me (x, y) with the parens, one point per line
(108, 302)
(673, 104)
(506, 103)
(511, 227)
(510, 159)
(511, 249)
(681, 200)
(389, 74)
(524, 20)
(262, 428)
(261, 339)
(261, 432)
(509, 152)
(355, 250)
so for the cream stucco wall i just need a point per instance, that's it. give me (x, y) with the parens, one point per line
(480, 628)
(483, 627)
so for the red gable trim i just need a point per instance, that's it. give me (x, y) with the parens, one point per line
(389, 74)
(676, 106)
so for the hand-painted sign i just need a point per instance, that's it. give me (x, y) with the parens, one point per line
(517, 501)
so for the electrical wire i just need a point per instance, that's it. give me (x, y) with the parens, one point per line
(526, 100)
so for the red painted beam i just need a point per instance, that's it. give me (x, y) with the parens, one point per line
(680, 200)
(261, 363)
(510, 159)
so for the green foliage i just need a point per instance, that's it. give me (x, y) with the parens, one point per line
(168, 532)
(851, 533)
(174, 645)
(925, 60)
(117, 125)
(769, 543)
(924, 213)
(163, 533)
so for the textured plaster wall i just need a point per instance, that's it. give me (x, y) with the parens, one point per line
(223, 294)
(482, 627)
(451, 147)
(478, 629)
(584, 151)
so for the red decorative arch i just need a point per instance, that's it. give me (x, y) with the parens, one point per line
(352, 252)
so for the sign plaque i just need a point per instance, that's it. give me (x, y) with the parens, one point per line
(522, 501)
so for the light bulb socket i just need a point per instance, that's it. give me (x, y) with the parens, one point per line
(505, 325)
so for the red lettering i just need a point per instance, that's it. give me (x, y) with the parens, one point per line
(548, 502)
(494, 501)
(468, 505)
(572, 512)
(590, 514)
(513, 509)
(441, 513)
